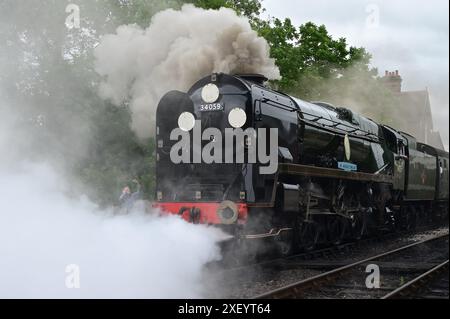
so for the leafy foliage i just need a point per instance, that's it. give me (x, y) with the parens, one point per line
(309, 51)
(251, 9)
(316, 67)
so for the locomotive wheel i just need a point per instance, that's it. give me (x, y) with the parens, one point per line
(419, 216)
(402, 216)
(336, 229)
(248, 252)
(358, 225)
(411, 218)
(308, 236)
(285, 243)
(232, 253)
(423, 215)
(407, 220)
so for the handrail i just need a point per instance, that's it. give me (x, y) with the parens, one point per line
(333, 127)
(318, 118)
(342, 132)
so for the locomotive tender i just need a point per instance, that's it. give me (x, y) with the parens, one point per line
(339, 174)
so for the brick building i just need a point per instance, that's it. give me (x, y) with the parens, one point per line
(415, 109)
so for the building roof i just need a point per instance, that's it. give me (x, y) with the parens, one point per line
(414, 108)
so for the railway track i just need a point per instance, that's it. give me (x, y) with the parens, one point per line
(433, 284)
(328, 253)
(403, 272)
(439, 288)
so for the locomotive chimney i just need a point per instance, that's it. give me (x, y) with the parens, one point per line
(393, 81)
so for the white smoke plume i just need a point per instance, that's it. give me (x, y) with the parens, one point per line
(43, 231)
(176, 50)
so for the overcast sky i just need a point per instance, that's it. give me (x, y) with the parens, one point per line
(406, 35)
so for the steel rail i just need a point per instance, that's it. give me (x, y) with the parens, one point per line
(326, 251)
(321, 252)
(296, 289)
(412, 285)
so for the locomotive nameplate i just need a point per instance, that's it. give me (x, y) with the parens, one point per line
(211, 107)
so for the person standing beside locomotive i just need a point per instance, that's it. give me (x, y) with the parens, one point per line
(127, 199)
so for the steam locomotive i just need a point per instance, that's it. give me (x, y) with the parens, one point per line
(338, 174)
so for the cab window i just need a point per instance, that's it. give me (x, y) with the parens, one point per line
(401, 148)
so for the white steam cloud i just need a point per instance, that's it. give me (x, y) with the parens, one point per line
(43, 231)
(176, 50)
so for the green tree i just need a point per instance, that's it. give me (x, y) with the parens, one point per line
(141, 11)
(316, 67)
(252, 9)
(309, 51)
(47, 73)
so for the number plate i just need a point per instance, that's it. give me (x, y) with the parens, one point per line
(211, 107)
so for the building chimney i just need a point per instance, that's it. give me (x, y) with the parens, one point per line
(393, 81)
